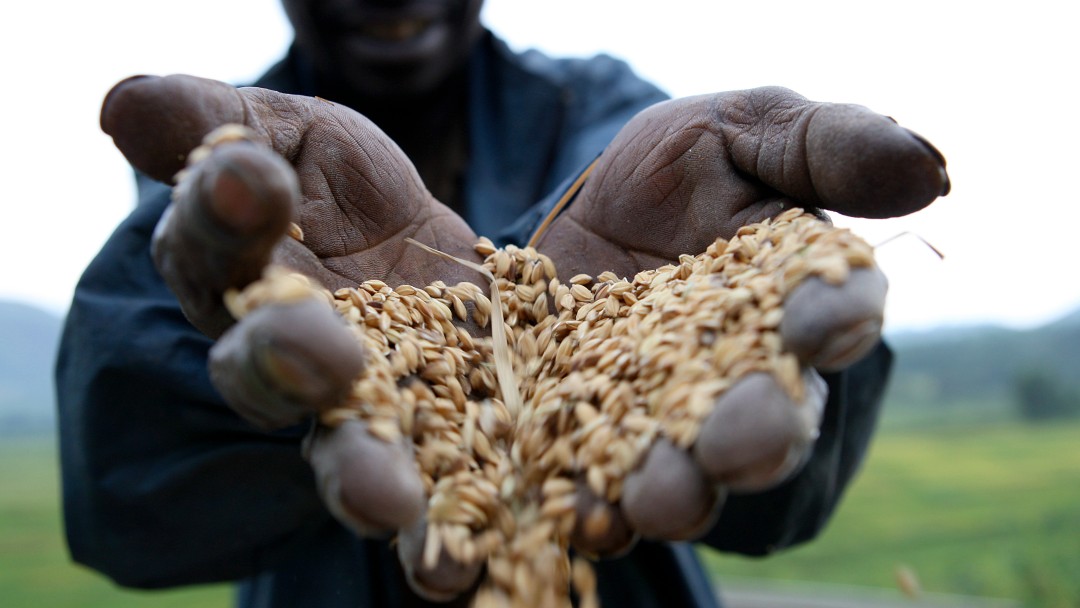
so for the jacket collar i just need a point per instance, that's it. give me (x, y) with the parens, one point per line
(514, 122)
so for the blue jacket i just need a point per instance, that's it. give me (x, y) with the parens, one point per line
(164, 485)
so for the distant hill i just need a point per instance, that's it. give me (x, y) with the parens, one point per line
(969, 364)
(942, 366)
(27, 351)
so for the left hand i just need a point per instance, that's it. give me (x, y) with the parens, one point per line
(684, 172)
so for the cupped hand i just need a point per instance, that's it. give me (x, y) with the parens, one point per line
(349, 188)
(687, 171)
(355, 198)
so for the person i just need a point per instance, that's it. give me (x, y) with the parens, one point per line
(181, 430)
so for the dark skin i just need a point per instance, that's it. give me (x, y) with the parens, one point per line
(676, 177)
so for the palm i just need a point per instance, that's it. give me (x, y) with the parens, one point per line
(360, 197)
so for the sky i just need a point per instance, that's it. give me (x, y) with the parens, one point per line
(993, 85)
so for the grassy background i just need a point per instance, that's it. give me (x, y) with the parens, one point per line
(34, 566)
(990, 510)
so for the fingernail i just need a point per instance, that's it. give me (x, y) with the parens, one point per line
(231, 190)
(930, 147)
(293, 374)
(946, 185)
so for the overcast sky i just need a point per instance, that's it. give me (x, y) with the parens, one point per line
(992, 84)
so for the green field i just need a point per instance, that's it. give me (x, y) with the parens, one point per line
(34, 566)
(990, 511)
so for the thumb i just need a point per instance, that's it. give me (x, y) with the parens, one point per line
(156, 121)
(840, 157)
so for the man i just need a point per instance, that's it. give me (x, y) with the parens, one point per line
(165, 485)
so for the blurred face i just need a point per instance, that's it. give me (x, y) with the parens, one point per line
(386, 48)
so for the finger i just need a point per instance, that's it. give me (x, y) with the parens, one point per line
(370, 485)
(829, 327)
(283, 362)
(156, 121)
(227, 216)
(442, 581)
(841, 157)
(669, 497)
(756, 436)
(600, 529)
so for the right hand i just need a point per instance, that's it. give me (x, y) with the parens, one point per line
(356, 197)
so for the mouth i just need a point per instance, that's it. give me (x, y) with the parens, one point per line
(395, 31)
(396, 40)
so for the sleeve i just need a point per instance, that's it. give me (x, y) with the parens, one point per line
(798, 510)
(162, 483)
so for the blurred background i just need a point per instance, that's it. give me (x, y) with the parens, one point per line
(971, 494)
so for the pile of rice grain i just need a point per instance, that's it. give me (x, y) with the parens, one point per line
(604, 366)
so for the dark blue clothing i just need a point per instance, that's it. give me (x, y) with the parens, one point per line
(164, 485)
